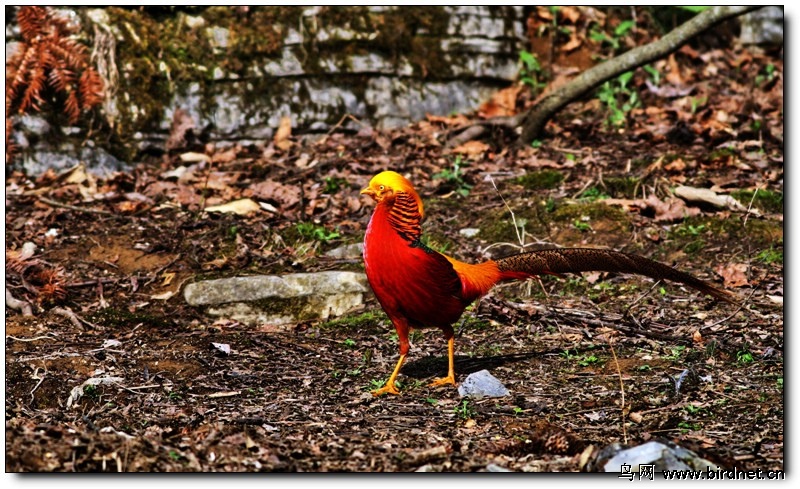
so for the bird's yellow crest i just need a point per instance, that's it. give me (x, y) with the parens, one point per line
(387, 183)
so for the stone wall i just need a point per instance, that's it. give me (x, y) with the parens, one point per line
(238, 70)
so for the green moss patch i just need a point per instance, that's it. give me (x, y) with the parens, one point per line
(540, 180)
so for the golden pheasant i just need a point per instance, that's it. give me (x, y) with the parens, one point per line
(419, 287)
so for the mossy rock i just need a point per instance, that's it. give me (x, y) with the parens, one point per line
(540, 180)
(766, 201)
(697, 231)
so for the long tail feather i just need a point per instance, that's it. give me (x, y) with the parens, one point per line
(574, 260)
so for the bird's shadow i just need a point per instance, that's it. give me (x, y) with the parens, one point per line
(432, 366)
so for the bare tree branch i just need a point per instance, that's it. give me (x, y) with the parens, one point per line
(536, 117)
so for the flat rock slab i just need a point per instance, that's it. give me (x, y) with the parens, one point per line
(280, 299)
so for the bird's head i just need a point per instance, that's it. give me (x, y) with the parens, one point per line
(385, 186)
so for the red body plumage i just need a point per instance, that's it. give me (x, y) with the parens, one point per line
(418, 287)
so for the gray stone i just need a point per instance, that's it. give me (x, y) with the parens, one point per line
(482, 384)
(311, 77)
(347, 252)
(276, 300)
(662, 455)
(763, 26)
(219, 37)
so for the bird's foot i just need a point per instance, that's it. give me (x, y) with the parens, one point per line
(450, 379)
(389, 388)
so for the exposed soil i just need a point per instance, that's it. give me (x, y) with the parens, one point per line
(588, 360)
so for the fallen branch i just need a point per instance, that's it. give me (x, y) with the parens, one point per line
(18, 305)
(537, 116)
(55, 203)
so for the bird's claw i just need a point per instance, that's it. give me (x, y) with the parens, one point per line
(450, 379)
(389, 388)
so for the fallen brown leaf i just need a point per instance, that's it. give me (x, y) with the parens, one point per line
(241, 207)
(733, 274)
(670, 210)
(502, 103)
(472, 148)
(283, 134)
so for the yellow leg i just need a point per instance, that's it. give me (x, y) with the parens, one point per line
(389, 387)
(451, 371)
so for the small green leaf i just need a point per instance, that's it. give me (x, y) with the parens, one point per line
(623, 28)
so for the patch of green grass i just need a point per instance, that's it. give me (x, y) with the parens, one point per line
(309, 230)
(687, 426)
(333, 184)
(91, 391)
(567, 354)
(694, 246)
(465, 409)
(581, 225)
(531, 72)
(695, 410)
(765, 200)
(613, 39)
(431, 401)
(757, 232)
(619, 99)
(454, 177)
(540, 180)
(744, 356)
(686, 229)
(766, 75)
(770, 256)
(588, 360)
(675, 353)
(364, 323)
(592, 194)
(655, 75)
(350, 343)
(375, 384)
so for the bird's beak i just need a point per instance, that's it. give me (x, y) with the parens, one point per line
(368, 191)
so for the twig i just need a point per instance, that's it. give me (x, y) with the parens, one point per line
(76, 320)
(70, 315)
(734, 312)
(18, 304)
(41, 379)
(54, 203)
(639, 299)
(621, 390)
(588, 182)
(750, 206)
(513, 218)
(36, 338)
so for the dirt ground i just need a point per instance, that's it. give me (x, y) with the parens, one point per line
(588, 360)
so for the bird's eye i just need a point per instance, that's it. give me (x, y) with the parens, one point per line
(382, 187)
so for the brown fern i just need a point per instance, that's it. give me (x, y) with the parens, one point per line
(49, 58)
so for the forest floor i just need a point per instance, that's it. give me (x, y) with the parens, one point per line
(588, 360)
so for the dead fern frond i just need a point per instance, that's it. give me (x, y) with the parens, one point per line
(49, 64)
(52, 289)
